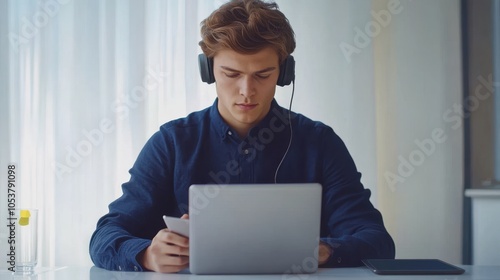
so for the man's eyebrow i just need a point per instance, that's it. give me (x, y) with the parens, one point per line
(258, 72)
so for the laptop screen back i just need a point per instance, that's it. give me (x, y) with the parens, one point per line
(254, 229)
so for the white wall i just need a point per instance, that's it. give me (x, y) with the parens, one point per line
(331, 87)
(418, 70)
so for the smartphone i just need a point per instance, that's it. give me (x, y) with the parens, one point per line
(411, 267)
(177, 225)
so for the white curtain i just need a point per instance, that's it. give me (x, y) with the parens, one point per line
(84, 84)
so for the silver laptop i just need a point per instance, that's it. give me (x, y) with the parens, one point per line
(254, 228)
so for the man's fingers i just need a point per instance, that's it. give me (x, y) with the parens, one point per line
(171, 263)
(185, 217)
(169, 237)
(176, 250)
(176, 261)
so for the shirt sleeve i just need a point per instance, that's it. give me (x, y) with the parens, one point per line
(350, 224)
(136, 217)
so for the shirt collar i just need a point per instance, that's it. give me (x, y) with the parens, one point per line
(219, 124)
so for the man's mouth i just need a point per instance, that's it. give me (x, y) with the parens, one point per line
(246, 106)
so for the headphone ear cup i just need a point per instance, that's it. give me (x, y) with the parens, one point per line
(206, 66)
(287, 72)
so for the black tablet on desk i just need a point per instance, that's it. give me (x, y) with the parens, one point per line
(411, 267)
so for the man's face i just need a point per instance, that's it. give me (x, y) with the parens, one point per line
(245, 85)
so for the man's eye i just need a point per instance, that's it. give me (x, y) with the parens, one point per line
(232, 75)
(263, 76)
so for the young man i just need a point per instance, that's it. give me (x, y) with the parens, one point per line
(242, 138)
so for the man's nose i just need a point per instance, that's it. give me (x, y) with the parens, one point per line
(247, 87)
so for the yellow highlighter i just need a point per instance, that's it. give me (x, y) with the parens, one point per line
(24, 220)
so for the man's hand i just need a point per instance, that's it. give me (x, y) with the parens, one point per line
(325, 251)
(168, 252)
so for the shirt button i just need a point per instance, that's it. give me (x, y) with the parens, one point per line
(246, 151)
(230, 133)
(339, 260)
(119, 267)
(135, 268)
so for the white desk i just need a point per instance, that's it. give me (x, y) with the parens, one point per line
(485, 225)
(94, 273)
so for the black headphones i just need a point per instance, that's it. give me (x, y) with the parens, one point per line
(287, 70)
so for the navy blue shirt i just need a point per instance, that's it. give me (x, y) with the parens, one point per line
(201, 148)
